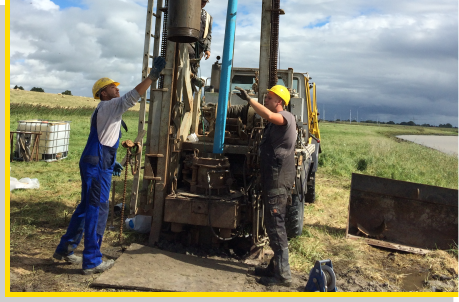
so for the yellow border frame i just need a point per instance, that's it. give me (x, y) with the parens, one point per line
(142, 294)
(7, 157)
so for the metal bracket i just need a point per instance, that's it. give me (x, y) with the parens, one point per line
(280, 11)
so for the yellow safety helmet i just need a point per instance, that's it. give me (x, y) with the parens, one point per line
(282, 92)
(101, 84)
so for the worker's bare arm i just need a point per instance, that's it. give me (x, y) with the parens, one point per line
(273, 117)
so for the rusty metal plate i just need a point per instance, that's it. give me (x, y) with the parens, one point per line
(149, 269)
(199, 206)
(194, 211)
(402, 215)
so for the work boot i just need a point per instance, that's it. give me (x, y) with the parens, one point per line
(198, 82)
(265, 271)
(270, 281)
(281, 274)
(73, 259)
(105, 265)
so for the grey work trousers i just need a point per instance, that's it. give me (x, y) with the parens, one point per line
(275, 210)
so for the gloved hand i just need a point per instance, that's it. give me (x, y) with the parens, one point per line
(117, 169)
(158, 64)
(243, 94)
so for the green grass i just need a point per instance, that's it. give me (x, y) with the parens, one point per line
(373, 150)
(51, 99)
(346, 149)
(52, 205)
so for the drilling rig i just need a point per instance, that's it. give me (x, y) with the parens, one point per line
(200, 177)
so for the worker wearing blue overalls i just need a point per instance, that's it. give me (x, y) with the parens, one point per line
(97, 165)
(277, 165)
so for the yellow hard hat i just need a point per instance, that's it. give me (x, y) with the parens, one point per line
(282, 92)
(101, 84)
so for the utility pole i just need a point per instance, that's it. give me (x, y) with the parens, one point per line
(357, 116)
(350, 116)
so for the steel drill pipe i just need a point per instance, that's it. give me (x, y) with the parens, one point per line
(227, 62)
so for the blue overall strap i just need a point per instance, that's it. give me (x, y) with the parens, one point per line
(123, 124)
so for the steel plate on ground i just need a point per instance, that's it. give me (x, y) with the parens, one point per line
(150, 269)
(402, 215)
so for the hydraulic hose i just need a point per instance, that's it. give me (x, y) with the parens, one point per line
(212, 229)
(208, 215)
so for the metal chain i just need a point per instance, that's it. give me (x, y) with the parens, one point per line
(128, 155)
(136, 164)
(164, 41)
(274, 43)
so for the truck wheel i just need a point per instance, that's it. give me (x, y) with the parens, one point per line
(294, 217)
(310, 195)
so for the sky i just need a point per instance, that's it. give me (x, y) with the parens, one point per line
(371, 60)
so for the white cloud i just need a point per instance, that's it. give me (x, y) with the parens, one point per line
(46, 5)
(391, 59)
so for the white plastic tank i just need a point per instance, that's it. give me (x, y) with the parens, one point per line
(54, 138)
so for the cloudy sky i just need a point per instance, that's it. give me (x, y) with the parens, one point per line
(386, 60)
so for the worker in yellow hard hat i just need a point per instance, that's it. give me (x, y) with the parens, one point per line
(97, 166)
(277, 163)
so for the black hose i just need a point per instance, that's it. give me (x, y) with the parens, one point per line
(241, 111)
(302, 190)
(208, 217)
(212, 229)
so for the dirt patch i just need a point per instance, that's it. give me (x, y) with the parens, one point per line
(37, 271)
(358, 267)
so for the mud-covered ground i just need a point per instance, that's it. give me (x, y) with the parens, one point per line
(34, 270)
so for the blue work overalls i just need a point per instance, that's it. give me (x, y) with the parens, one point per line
(90, 217)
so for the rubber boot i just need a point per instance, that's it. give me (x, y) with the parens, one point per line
(282, 275)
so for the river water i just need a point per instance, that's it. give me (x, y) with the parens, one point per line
(445, 144)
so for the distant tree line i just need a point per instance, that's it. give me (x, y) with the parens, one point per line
(410, 123)
(38, 89)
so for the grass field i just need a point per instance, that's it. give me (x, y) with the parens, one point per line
(53, 100)
(41, 216)
(371, 150)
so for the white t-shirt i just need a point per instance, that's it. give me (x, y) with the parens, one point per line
(110, 114)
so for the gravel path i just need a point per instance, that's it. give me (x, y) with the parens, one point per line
(445, 144)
